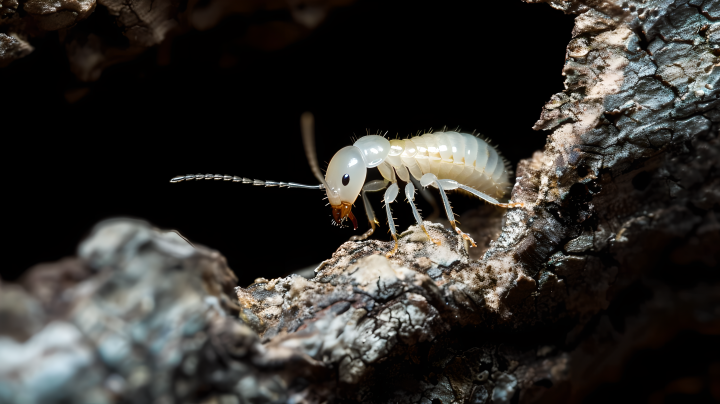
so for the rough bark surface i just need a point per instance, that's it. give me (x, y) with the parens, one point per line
(118, 31)
(623, 201)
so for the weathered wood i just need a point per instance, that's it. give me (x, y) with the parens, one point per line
(623, 201)
(128, 28)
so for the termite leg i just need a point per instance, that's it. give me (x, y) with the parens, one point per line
(410, 194)
(448, 209)
(428, 197)
(489, 198)
(372, 186)
(389, 197)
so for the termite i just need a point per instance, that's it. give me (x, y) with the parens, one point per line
(446, 160)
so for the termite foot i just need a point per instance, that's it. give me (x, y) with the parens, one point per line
(512, 205)
(394, 250)
(437, 242)
(465, 236)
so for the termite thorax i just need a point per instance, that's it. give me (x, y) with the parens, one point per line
(374, 149)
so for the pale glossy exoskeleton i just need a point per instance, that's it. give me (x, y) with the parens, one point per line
(446, 160)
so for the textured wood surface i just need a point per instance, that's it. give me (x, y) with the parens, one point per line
(615, 250)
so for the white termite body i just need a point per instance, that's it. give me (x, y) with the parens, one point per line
(460, 157)
(446, 160)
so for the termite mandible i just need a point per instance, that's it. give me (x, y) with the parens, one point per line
(447, 160)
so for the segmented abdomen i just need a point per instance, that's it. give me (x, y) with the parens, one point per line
(462, 157)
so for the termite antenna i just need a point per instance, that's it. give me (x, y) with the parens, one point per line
(261, 183)
(307, 128)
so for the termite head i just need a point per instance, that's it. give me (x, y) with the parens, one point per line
(346, 173)
(345, 177)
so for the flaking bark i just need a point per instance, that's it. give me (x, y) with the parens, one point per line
(626, 189)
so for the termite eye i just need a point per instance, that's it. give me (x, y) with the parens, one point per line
(346, 179)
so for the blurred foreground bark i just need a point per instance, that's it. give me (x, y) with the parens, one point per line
(616, 249)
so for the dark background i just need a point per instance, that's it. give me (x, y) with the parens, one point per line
(400, 67)
(222, 107)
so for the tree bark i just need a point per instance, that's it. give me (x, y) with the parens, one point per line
(616, 248)
(125, 29)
